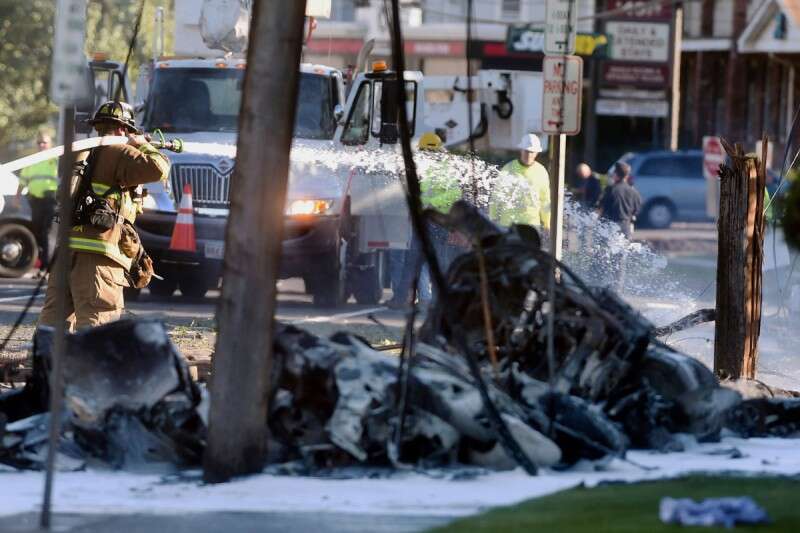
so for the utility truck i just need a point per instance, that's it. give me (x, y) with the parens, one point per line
(338, 221)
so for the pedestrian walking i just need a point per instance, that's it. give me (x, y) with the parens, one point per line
(41, 183)
(103, 246)
(532, 206)
(621, 202)
(589, 187)
(439, 190)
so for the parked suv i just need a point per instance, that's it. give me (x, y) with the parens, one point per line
(671, 184)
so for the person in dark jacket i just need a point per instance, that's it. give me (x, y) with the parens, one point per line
(589, 186)
(621, 202)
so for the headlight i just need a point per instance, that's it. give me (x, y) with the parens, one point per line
(309, 207)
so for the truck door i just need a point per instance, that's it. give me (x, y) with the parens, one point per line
(377, 198)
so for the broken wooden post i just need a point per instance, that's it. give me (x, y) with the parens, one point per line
(739, 260)
(240, 379)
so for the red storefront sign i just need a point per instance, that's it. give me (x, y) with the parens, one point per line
(322, 45)
(641, 10)
(435, 48)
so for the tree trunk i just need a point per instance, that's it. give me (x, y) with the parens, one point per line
(739, 263)
(240, 379)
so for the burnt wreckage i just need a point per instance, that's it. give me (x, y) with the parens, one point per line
(451, 399)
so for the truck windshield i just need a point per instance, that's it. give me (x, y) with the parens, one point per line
(184, 100)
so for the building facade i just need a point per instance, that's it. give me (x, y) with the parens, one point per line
(735, 74)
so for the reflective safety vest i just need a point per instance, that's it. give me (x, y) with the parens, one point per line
(84, 239)
(440, 190)
(530, 204)
(41, 178)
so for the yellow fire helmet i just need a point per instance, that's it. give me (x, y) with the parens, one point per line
(431, 142)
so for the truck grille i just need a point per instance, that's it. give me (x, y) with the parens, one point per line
(210, 187)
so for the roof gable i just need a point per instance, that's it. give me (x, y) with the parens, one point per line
(759, 34)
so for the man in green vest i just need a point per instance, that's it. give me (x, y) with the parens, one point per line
(440, 190)
(41, 182)
(529, 203)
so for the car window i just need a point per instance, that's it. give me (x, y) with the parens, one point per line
(356, 131)
(691, 166)
(659, 166)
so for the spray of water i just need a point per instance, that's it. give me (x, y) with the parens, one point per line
(594, 248)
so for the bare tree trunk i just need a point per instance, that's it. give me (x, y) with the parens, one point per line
(240, 379)
(739, 263)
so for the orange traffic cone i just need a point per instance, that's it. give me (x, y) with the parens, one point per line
(183, 237)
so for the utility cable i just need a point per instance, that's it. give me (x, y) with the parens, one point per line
(470, 119)
(131, 46)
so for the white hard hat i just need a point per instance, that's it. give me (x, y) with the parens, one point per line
(530, 143)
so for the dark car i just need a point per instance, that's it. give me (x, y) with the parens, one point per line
(19, 251)
(671, 184)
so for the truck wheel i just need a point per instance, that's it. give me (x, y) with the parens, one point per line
(162, 288)
(327, 285)
(18, 250)
(193, 289)
(366, 282)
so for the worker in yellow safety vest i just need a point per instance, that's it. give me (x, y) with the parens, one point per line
(104, 248)
(41, 183)
(439, 190)
(529, 203)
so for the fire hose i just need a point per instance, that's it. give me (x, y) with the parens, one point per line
(174, 145)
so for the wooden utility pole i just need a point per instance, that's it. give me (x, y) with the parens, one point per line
(739, 263)
(241, 368)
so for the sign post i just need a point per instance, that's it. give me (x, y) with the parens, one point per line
(561, 116)
(713, 157)
(560, 24)
(68, 88)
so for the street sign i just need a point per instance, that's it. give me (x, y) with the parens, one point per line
(561, 94)
(524, 39)
(639, 41)
(560, 25)
(69, 83)
(713, 156)
(318, 8)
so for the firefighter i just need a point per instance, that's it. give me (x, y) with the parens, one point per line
(533, 205)
(41, 181)
(104, 250)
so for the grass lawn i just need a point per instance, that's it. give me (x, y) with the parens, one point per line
(634, 507)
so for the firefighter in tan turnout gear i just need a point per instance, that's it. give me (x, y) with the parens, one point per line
(104, 247)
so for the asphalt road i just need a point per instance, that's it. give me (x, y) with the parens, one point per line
(191, 322)
(227, 522)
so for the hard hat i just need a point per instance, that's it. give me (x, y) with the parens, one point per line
(530, 143)
(430, 141)
(117, 112)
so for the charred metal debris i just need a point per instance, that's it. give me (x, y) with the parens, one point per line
(338, 402)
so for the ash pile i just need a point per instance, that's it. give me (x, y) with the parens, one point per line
(452, 399)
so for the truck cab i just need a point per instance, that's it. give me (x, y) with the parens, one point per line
(198, 100)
